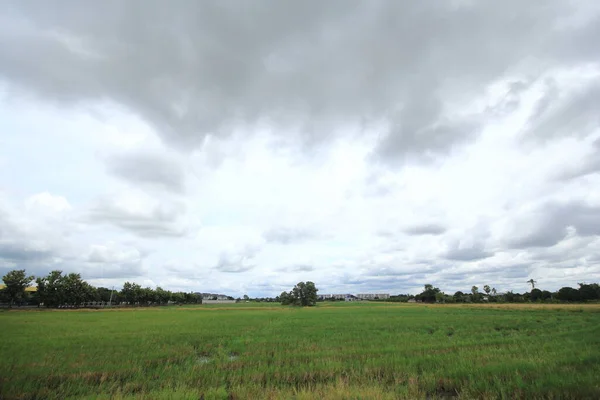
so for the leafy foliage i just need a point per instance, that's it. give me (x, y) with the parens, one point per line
(303, 294)
(16, 282)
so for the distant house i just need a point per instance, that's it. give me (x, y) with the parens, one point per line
(411, 301)
(30, 289)
(213, 296)
(222, 301)
(373, 296)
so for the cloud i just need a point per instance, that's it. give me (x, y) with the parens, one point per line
(237, 261)
(427, 229)
(140, 216)
(284, 235)
(16, 246)
(567, 113)
(550, 224)
(459, 251)
(47, 202)
(210, 67)
(112, 260)
(588, 165)
(154, 170)
(298, 268)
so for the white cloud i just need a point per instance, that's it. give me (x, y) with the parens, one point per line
(45, 202)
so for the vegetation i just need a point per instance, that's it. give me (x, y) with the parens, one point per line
(303, 294)
(57, 290)
(16, 282)
(431, 294)
(331, 351)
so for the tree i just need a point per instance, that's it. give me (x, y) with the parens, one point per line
(303, 294)
(568, 294)
(430, 294)
(50, 291)
(546, 295)
(475, 293)
(16, 282)
(589, 292)
(285, 298)
(131, 292)
(487, 289)
(76, 291)
(532, 283)
(459, 297)
(535, 295)
(246, 298)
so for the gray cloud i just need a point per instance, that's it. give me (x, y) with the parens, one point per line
(551, 223)
(576, 115)
(209, 66)
(148, 169)
(285, 235)
(162, 220)
(20, 249)
(427, 229)
(475, 252)
(589, 165)
(237, 261)
(297, 268)
(22, 253)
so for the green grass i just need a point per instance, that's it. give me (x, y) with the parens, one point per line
(333, 351)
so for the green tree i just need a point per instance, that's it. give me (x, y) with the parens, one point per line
(303, 294)
(459, 297)
(429, 295)
(76, 291)
(131, 292)
(50, 289)
(546, 295)
(589, 292)
(162, 296)
(532, 283)
(535, 295)
(475, 294)
(16, 282)
(487, 289)
(568, 294)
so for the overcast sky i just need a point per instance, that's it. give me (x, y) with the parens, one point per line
(243, 146)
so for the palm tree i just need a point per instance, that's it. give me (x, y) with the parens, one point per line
(532, 283)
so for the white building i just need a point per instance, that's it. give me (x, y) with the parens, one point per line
(373, 296)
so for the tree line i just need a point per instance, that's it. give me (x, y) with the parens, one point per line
(585, 293)
(70, 290)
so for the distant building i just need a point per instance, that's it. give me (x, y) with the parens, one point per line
(373, 296)
(345, 297)
(29, 289)
(222, 301)
(212, 296)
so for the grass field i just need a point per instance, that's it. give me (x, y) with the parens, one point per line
(333, 351)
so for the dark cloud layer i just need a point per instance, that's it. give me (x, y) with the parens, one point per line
(194, 68)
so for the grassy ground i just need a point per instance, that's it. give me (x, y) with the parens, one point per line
(337, 351)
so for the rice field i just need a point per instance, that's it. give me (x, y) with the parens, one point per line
(332, 351)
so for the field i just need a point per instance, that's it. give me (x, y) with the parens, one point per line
(333, 351)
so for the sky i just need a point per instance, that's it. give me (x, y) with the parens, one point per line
(241, 147)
